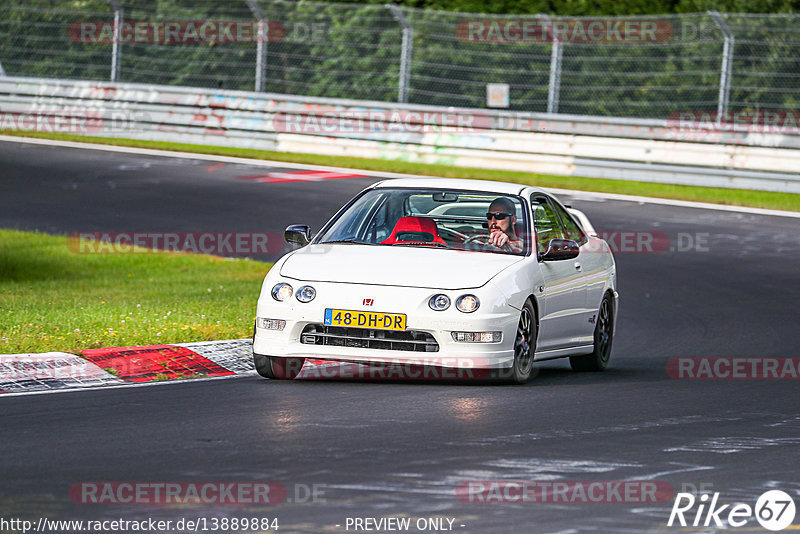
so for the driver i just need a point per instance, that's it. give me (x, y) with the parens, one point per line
(501, 219)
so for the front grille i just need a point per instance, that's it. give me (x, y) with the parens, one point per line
(365, 338)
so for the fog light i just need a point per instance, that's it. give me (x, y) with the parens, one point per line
(478, 337)
(271, 324)
(467, 303)
(306, 294)
(281, 292)
(439, 302)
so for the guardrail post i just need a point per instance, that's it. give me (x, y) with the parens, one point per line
(405, 53)
(2, 70)
(116, 47)
(261, 45)
(554, 86)
(726, 68)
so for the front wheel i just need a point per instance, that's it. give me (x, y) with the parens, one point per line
(523, 368)
(277, 368)
(603, 338)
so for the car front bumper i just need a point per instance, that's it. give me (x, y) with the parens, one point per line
(493, 315)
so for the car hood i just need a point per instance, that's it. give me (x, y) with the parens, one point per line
(395, 266)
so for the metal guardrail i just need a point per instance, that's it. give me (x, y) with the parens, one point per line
(636, 149)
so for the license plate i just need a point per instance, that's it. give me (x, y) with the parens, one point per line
(364, 319)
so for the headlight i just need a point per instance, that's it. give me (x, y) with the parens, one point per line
(306, 294)
(439, 302)
(281, 292)
(467, 303)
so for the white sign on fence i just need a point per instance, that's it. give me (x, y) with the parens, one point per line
(497, 95)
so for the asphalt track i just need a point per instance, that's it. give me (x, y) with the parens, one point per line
(381, 449)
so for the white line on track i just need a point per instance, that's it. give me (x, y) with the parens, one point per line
(382, 174)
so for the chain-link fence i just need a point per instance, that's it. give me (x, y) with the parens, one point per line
(646, 66)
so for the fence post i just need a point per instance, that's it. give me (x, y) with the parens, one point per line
(554, 87)
(116, 47)
(2, 70)
(405, 53)
(261, 45)
(727, 65)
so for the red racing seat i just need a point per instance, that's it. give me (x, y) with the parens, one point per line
(417, 230)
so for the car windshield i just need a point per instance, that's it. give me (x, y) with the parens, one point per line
(433, 218)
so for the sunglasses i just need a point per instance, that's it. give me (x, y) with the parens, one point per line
(500, 216)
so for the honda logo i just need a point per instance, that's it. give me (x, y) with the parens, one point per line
(368, 302)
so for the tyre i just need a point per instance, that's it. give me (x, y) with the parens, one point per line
(277, 368)
(523, 368)
(603, 339)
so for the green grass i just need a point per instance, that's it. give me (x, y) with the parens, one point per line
(53, 299)
(716, 195)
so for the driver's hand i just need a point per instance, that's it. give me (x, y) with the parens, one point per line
(498, 238)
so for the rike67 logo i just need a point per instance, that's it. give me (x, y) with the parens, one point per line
(774, 510)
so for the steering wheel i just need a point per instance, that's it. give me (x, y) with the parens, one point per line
(483, 241)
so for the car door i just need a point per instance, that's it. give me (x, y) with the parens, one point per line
(592, 265)
(563, 292)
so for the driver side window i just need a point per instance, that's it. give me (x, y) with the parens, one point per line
(546, 224)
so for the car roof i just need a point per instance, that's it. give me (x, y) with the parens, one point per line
(453, 183)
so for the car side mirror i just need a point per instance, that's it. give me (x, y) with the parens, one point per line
(298, 234)
(560, 249)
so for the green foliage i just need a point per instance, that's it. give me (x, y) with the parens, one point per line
(586, 8)
(353, 51)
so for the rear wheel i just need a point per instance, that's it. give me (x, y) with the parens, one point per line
(603, 339)
(277, 368)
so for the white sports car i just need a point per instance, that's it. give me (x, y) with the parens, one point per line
(464, 274)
